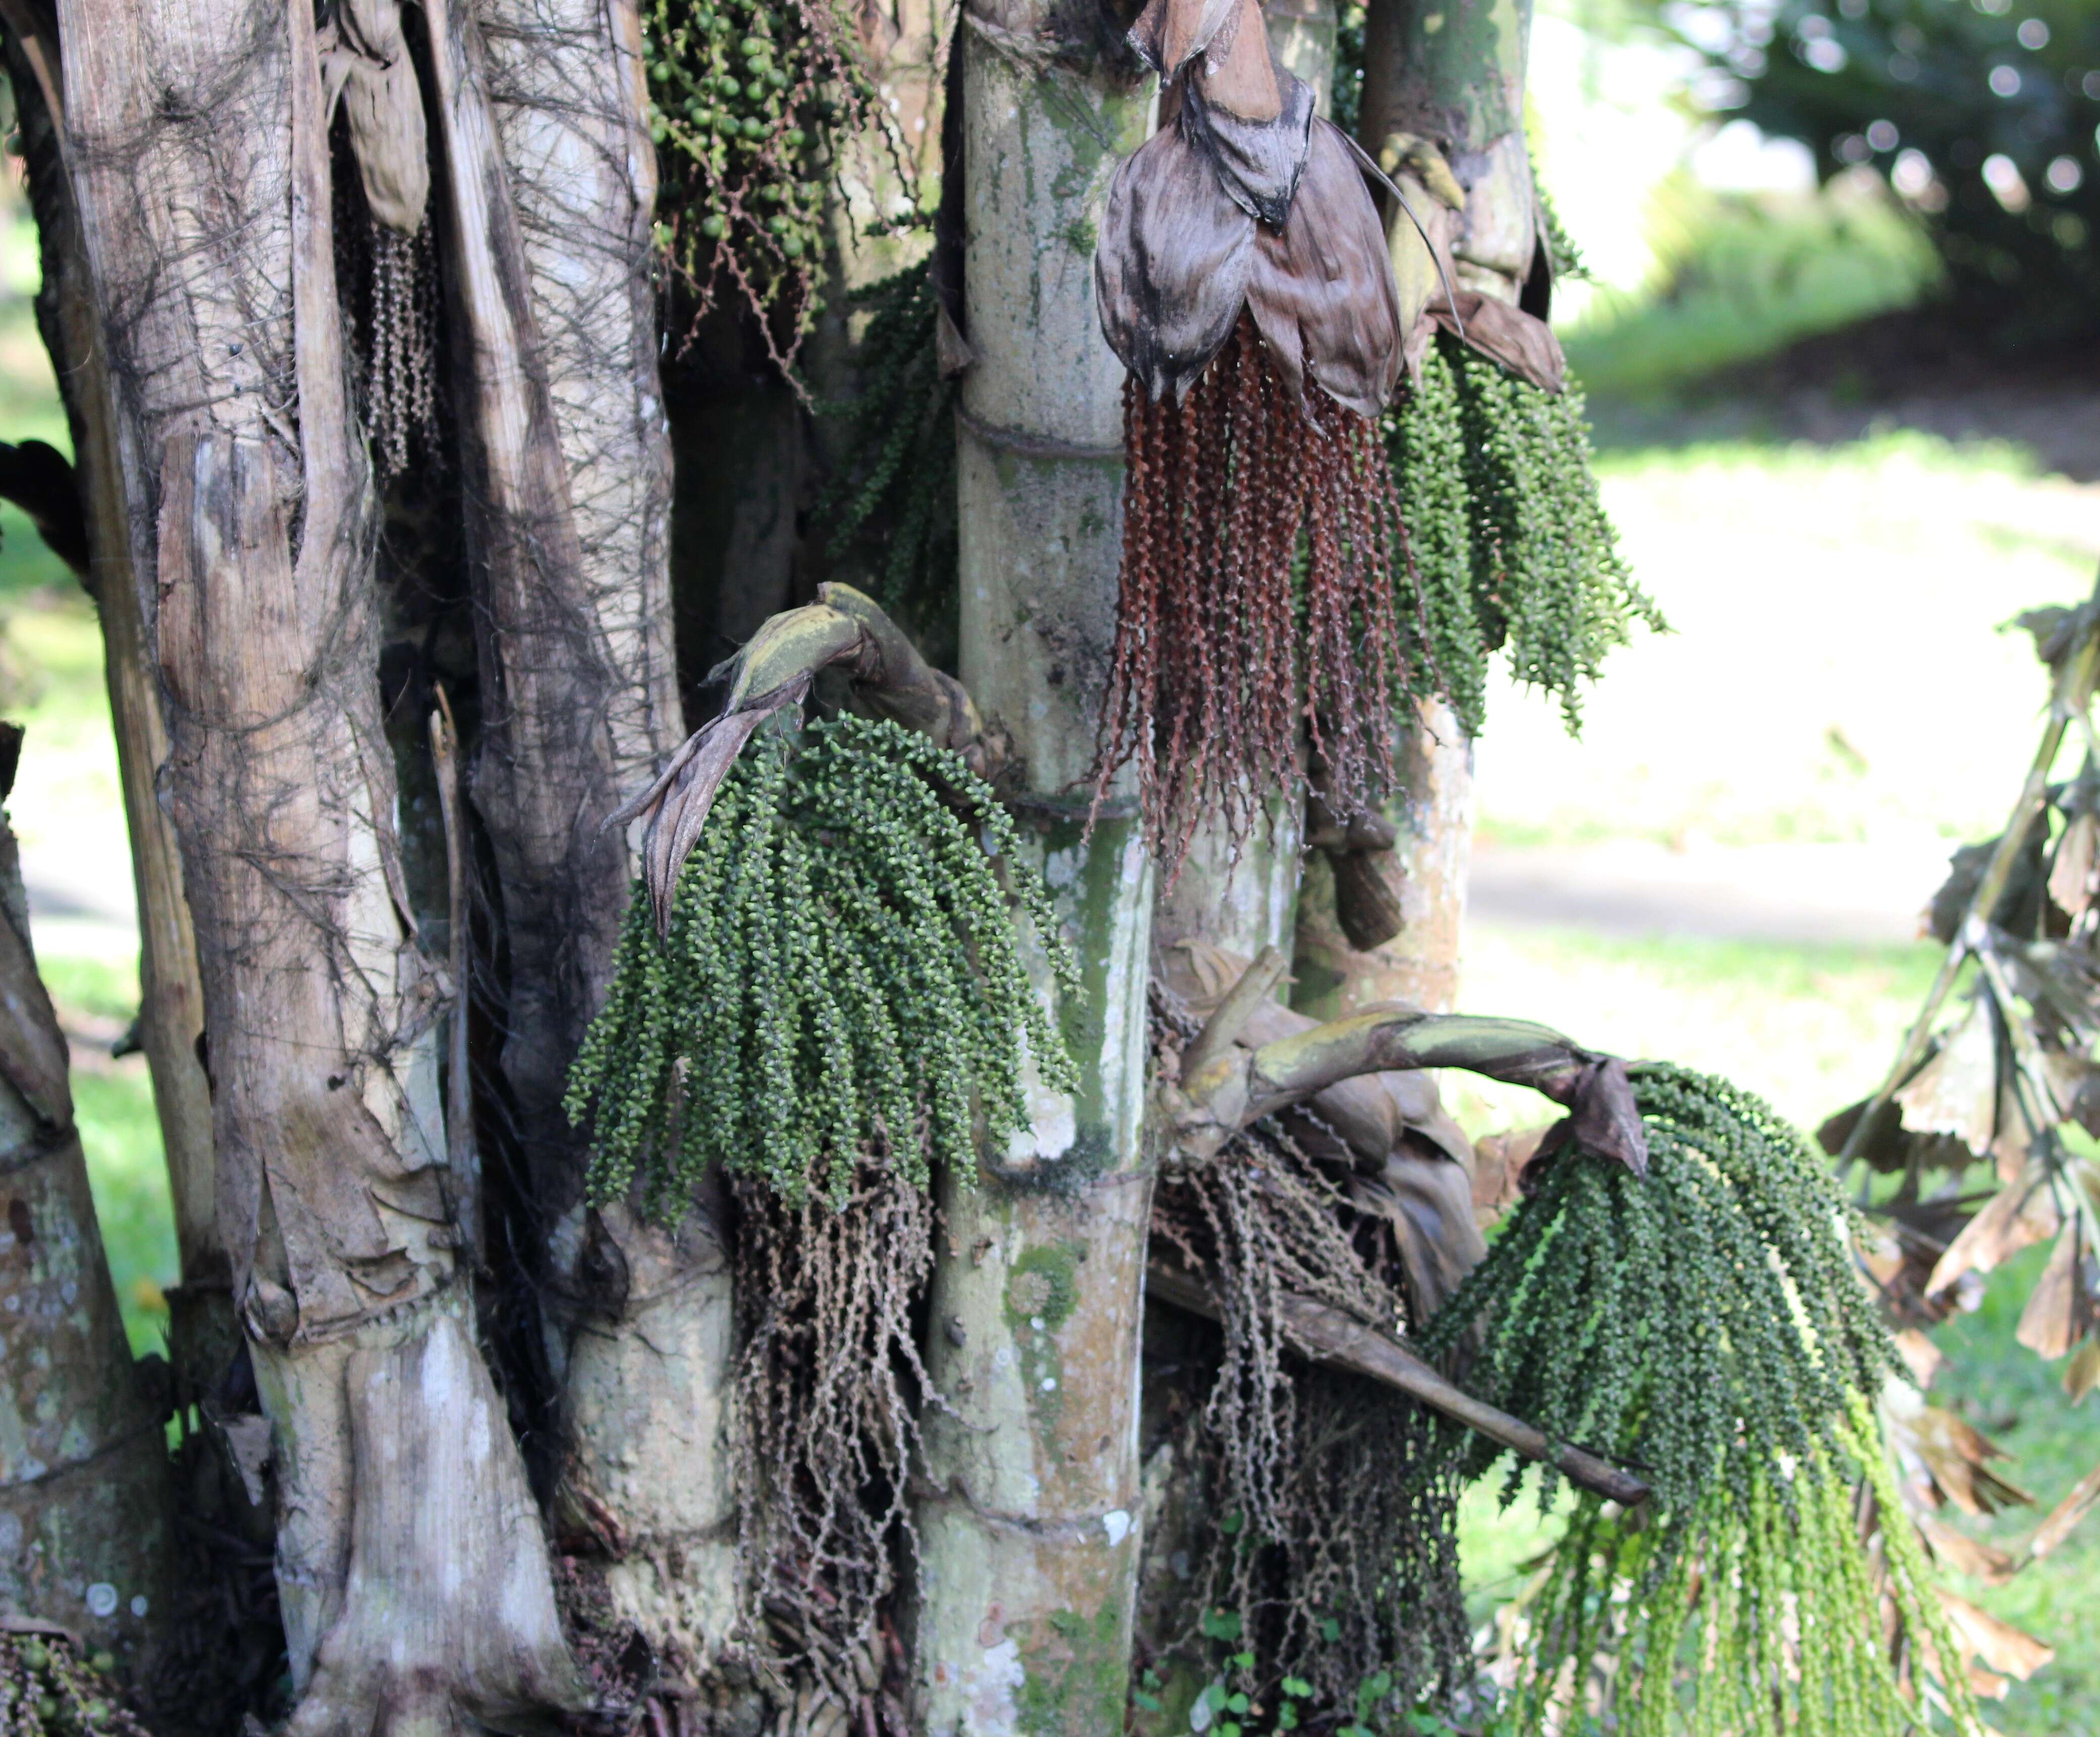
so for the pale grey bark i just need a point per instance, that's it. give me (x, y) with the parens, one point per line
(1028, 1530)
(201, 1330)
(86, 1501)
(199, 154)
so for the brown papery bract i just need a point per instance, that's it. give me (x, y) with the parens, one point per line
(1224, 648)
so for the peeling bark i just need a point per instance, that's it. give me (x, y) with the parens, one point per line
(1028, 1532)
(202, 1333)
(86, 1499)
(200, 164)
(551, 177)
(448, 1620)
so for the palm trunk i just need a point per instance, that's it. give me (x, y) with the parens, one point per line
(202, 1333)
(1028, 1532)
(1431, 812)
(86, 1502)
(200, 169)
(1453, 77)
(551, 176)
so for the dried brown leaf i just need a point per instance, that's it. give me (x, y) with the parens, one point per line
(1508, 335)
(1998, 1644)
(1429, 1202)
(1168, 33)
(2082, 1373)
(1966, 1555)
(1498, 1162)
(1921, 1356)
(1987, 1684)
(1954, 1453)
(1239, 72)
(1171, 267)
(1258, 163)
(1955, 1092)
(2060, 1310)
(2020, 1214)
(1323, 291)
(2063, 1518)
(2070, 874)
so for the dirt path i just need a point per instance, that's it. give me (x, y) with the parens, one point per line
(1808, 894)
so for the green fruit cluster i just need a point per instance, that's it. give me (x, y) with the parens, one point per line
(1705, 1324)
(742, 94)
(1508, 546)
(50, 1688)
(840, 980)
(1700, 1323)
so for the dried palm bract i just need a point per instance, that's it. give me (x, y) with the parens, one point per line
(1242, 279)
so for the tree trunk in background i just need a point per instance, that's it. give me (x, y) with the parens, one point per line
(1432, 811)
(202, 1333)
(1454, 77)
(1028, 1531)
(1301, 33)
(200, 168)
(753, 459)
(86, 1501)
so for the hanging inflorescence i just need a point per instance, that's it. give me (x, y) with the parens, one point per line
(829, 1389)
(1705, 1325)
(400, 358)
(1510, 546)
(750, 101)
(1256, 600)
(1766, 1614)
(1332, 1557)
(840, 980)
(1698, 1323)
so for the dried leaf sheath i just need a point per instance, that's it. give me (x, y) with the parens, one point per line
(1220, 656)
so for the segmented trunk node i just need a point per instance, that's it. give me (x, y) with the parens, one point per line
(1259, 532)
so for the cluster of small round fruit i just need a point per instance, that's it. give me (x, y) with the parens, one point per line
(48, 1687)
(742, 92)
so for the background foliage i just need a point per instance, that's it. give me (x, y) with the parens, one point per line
(1982, 114)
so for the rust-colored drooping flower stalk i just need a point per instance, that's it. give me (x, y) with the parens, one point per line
(1221, 660)
(1243, 280)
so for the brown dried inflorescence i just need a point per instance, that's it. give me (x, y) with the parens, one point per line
(1243, 280)
(1256, 602)
(829, 1392)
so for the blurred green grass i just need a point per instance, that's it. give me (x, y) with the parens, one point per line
(1834, 672)
(1737, 277)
